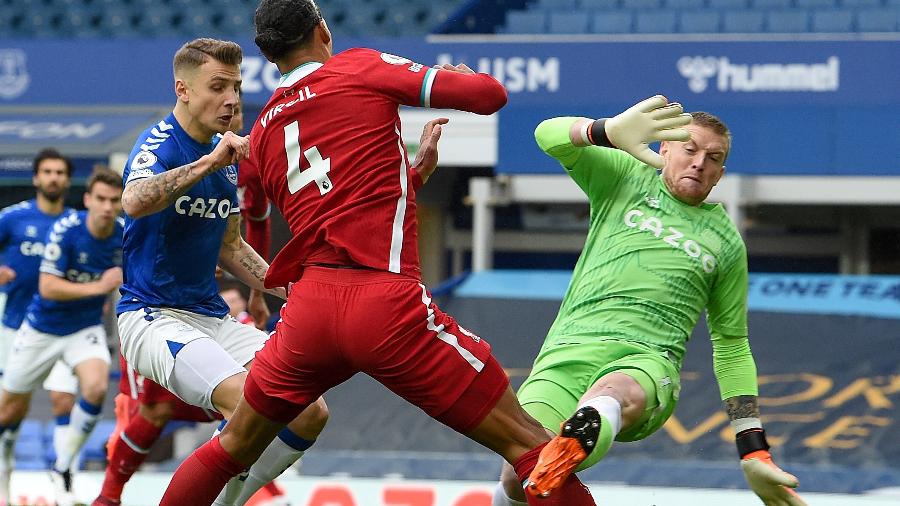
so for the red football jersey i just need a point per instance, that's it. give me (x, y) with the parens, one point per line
(332, 160)
(255, 208)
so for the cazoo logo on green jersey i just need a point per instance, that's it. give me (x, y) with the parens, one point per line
(671, 236)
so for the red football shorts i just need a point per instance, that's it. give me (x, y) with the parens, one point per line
(338, 322)
(149, 392)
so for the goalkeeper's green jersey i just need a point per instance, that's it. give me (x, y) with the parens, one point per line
(651, 263)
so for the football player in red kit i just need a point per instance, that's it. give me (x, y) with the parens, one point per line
(332, 159)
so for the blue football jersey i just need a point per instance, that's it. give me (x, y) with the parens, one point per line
(72, 253)
(23, 227)
(171, 255)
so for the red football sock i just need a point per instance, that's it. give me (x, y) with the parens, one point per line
(273, 489)
(124, 459)
(572, 492)
(200, 478)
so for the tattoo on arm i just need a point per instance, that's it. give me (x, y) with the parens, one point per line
(158, 192)
(235, 249)
(742, 406)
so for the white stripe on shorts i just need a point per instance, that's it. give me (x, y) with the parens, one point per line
(447, 337)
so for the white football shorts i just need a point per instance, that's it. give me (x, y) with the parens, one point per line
(187, 353)
(34, 354)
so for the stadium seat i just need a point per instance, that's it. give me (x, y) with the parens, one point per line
(684, 4)
(612, 22)
(567, 22)
(728, 4)
(792, 21)
(599, 5)
(116, 21)
(655, 22)
(816, 4)
(556, 5)
(832, 21)
(640, 4)
(742, 22)
(95, 447)
(771, 4)
(877, 20)
(699, 22)
(526, 22)
(236, 24)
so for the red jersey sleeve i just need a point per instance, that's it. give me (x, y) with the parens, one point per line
(417, 85)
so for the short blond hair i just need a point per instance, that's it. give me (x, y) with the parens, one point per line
(198, 51)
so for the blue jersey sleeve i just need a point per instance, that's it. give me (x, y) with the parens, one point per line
(145, 159)
(56, 258)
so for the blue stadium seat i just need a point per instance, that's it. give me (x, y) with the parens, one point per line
(816, 4)
(742, 22)
(438, 13)
(156, 22)
(612, 22)
(95, 446)
(877, 20)
(641, 4)
(792, 21)
(78, 19)
(567, 22)
(526, 22)
(556, 5)
(684, 4)
(655, 22)
(857, 4)
(892, 3)
(700, 22)
(236, 24)
(771, 4)
(728, 4)
(598, 5)
(116, 20)
(832, 21)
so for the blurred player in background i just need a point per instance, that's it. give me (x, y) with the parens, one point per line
(81, 265)
(332, 159)
(23, 229)
(143, 408)
(655, 257)
(182, 219)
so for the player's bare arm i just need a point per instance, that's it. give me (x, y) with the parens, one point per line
(153, 194)
(7, 274)
(242, 261)
(427, 156)
(53, 287)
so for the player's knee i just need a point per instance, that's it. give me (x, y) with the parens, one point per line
(61, 403)
(158, 413)
(94, 391)
(319, 414)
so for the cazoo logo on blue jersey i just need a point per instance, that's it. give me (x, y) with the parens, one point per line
(670, 236)
(31, 249)
(203, 207)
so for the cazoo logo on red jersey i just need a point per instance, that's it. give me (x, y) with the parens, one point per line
(671, 236)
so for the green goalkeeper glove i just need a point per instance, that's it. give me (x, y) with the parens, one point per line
(650, 120)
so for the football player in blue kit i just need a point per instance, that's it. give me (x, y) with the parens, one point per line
(81, 265)
(182, 218)
(23, 228)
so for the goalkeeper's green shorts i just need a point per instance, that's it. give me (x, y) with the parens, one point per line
(562, 373)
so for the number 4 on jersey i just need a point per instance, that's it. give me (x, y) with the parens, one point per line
(318, 167)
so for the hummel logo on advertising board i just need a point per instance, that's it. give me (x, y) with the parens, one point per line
(759, 77)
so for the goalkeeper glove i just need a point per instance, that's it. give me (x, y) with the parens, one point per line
(768, 481)
(650, 120)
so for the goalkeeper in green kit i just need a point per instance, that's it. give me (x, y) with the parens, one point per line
(655, 257)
